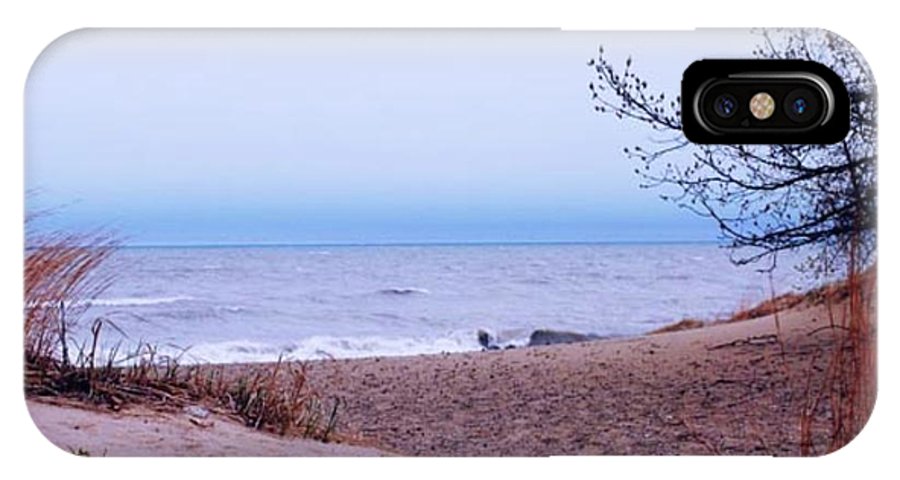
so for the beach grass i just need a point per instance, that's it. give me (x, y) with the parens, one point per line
(62, 275)
(845, 395)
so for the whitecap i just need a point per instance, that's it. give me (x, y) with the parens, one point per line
(136, 301)
(405, 291)
(320, 347)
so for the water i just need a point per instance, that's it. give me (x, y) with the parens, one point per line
(244, 304)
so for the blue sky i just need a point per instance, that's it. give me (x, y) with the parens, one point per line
(209, 137)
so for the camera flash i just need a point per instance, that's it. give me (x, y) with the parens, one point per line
(762, 106)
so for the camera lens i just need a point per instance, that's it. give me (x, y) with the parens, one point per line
(801, 105)
(725, 105)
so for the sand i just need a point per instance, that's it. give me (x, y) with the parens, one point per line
(143, 432)
(729, 388)
(722, 389)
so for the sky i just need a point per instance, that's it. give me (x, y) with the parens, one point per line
(194, 137)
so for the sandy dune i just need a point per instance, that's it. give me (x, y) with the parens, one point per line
(721, 389)
(141, 432)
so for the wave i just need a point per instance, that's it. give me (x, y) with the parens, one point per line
(530, 338)
(136, 301)
(405, 291)
(232, 308)
(327, 347)
(679, 277)
(322, 347)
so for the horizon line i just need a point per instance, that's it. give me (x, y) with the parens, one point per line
(419, 244)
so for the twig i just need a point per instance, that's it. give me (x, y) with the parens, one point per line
(758, 340)
(827, 327)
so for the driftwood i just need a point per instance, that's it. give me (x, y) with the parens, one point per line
(757, 340)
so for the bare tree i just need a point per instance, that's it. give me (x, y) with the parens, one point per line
(766, 199)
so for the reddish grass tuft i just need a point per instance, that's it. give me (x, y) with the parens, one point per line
(847, 396)
(62, 275)
(768, 307)
(686, 324)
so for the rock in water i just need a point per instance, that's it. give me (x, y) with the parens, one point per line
(552, 337)
(486, 340)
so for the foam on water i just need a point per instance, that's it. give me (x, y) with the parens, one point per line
(405, 291)
(328, 347)
(136, 301)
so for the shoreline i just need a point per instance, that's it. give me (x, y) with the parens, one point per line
(726, 387)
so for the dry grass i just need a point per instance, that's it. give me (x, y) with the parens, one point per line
(686, 324)
(833, 409)
(847, 395)
(276, 398)
(769, 307)
(832, 293)
(62, 275)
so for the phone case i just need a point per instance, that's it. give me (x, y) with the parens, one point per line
(439, 243)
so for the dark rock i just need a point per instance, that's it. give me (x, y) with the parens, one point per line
(552, 337)
(486, 340)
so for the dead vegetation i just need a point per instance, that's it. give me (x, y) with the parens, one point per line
(62, 276)
(835, 406)
(769, 307)
(835, 292)
(686, 324)
(845, 398)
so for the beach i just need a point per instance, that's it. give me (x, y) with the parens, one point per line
(508, 246)
(725, 388)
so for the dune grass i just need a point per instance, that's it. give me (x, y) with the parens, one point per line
(686, 324)
(847, 394)
(834, 407)
(62, 276)
(61, 273)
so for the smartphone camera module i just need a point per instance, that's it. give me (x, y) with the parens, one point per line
(763, 101)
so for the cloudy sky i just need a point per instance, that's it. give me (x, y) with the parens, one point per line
(274, 136)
